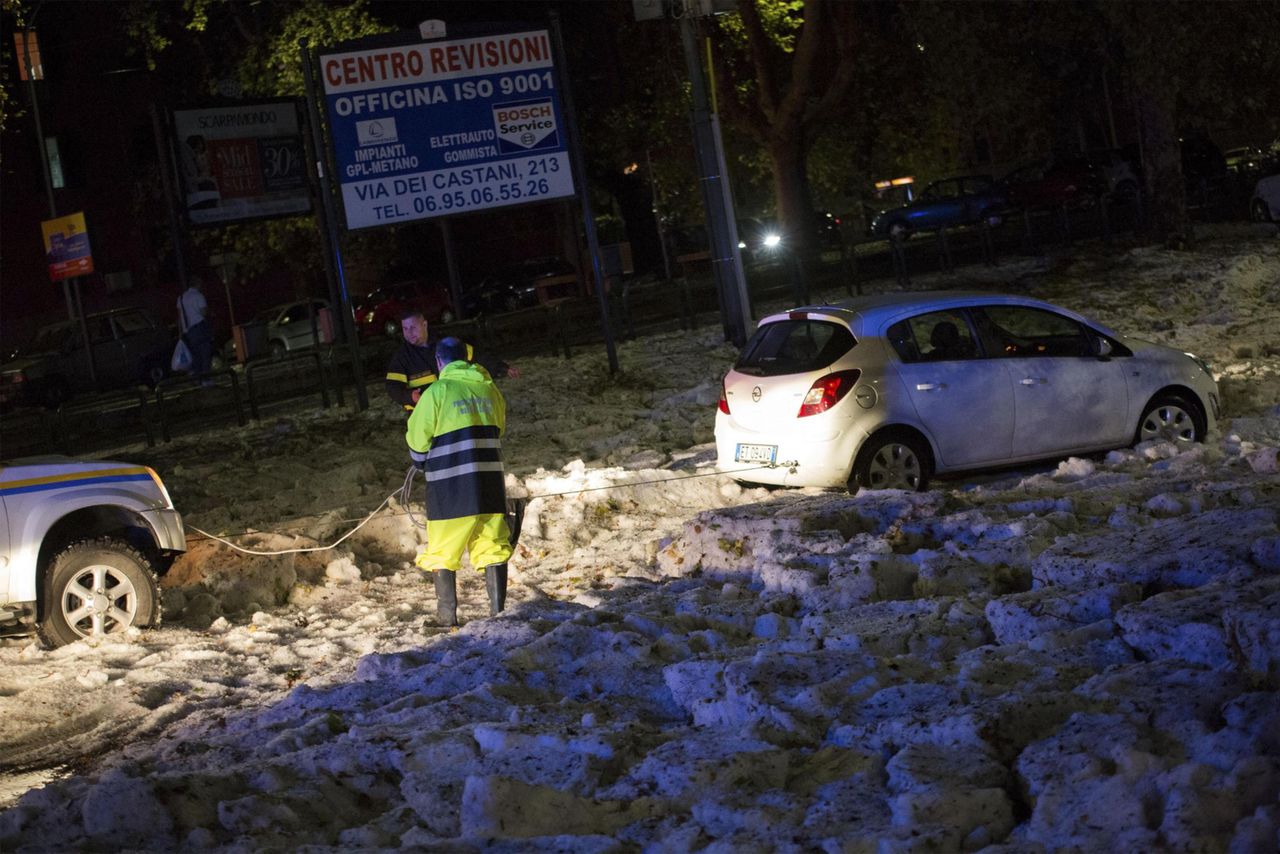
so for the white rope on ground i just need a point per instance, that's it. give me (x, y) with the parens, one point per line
(332, 545)
(404, 493)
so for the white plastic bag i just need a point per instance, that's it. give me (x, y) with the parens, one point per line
(181, 361)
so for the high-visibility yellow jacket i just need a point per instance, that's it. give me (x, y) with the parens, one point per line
(457, 428)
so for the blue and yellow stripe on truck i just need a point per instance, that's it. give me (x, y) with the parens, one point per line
(62, 481)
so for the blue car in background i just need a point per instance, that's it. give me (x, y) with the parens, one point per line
(962, 200)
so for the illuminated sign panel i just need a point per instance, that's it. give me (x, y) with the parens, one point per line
(241, 162)
(429, 129)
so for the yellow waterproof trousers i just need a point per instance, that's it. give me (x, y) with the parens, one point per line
(485, 537)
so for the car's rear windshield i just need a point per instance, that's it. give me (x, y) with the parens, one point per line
(794, 347)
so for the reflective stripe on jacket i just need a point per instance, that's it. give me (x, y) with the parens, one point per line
(458, 423)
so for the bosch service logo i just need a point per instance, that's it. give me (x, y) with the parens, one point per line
(526, 126)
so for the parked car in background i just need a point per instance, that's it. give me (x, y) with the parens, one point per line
(885, 391)
(81, 545)
(758, 240)
(1245, 160)
(767, 236)
(1049, 184)
(1118, 173)
(128, 347)
(1264, 205)
(295, 326)
(963, 200)
(379, 312)
(1203, 164)
(514, 287)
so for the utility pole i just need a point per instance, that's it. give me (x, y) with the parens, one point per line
(329, 225)
(713, 177)
(722, 227)
(72, 315)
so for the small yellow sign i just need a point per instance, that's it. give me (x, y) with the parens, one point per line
(66, 246)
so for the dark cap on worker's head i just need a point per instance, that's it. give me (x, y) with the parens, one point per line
(451, 350)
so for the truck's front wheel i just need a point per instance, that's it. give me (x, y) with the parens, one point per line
(95, 588)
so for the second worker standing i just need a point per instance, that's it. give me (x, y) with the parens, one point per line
(413, 366)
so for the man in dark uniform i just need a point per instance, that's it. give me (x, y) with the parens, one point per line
(413, 367)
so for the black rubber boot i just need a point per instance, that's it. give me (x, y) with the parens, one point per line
(446, 597)
(495, 581)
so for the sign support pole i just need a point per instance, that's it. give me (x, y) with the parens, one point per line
(580, 175)
(330, 228)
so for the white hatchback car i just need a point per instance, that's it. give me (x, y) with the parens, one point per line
(81, 545)
(885, 391)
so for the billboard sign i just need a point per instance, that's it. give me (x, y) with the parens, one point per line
(241, 162)
(433, 128)
(66, 246)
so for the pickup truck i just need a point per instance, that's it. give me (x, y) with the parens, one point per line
(82, 546)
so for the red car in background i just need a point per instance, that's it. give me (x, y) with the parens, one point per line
(1073, 182)
(379, 312)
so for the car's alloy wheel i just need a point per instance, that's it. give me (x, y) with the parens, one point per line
(447, 316)
(278, 350)
(898, 231)
(1260, 211)
(152, 373)
(95, 588)
(391, 329)
(1172, 419)
(892, 462)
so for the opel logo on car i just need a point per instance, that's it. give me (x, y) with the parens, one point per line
(755, 394)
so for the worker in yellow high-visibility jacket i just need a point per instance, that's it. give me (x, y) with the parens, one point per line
(454, 436)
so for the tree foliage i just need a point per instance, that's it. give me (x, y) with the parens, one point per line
(783, 70)
(245, 49)
(14, 14)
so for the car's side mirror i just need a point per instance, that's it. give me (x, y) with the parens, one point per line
(1102, 348)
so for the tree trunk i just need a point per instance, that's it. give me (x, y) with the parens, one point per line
(1166, 198)
(789, 157)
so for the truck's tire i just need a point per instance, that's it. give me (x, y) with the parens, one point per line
(97, 587)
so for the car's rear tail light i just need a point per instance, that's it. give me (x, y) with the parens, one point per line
(724, 401)
(827, 391)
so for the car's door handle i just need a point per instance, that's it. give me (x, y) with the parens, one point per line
(1034, 380)
(930, 386)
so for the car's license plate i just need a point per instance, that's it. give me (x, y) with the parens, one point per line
(756, 453)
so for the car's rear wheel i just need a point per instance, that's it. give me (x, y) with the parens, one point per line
(1173, 418)
(151, 372)
(1260, 212)
(278, 350)
(94, 588)
(892, 461)
(391, 329)
(447, 316)
(898, 231)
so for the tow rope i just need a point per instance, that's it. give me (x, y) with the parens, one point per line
(515, 508)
